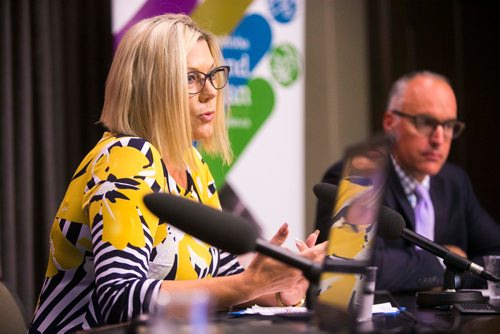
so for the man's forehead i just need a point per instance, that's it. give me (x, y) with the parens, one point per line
(431, 95)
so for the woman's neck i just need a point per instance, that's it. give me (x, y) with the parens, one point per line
(179, 175)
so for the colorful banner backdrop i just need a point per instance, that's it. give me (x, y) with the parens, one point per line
(263, 42)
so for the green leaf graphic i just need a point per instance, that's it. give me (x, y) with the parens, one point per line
(243, 124)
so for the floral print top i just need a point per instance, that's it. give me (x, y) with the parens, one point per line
(108, 252)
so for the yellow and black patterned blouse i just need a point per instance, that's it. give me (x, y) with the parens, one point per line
(108, 253)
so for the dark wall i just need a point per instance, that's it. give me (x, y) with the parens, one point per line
(459, 39)
(54, 58)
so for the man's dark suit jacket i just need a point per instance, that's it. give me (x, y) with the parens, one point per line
(459, 220)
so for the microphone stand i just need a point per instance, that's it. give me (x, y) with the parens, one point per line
(334, 266)
(449, 295)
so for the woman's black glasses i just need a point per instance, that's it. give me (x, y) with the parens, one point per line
(218, 78)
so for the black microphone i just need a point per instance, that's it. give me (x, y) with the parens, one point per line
(223, 230)
(391, 226)
(325, 192)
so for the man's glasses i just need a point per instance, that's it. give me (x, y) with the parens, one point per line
(218, 78)
(426, 125)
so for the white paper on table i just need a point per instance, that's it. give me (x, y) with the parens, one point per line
(385, 308)
(272, 310)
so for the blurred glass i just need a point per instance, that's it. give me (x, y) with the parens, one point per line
(492, 264)
(183, 312)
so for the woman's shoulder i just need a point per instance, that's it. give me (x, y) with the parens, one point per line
(126, 152)
(110, 140)
(125, 143)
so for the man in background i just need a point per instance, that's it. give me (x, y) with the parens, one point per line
(435, 198)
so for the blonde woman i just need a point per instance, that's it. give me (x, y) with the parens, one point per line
(109, 256)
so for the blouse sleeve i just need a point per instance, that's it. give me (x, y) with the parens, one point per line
(228, 264)
(122, 228)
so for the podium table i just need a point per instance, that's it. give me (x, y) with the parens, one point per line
(415, 320)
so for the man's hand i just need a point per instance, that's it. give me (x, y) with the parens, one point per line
(457, 250)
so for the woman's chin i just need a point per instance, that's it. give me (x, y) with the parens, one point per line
(204, 132)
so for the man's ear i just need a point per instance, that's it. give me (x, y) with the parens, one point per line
(389, 121)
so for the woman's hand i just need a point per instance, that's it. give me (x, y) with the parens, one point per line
(309, 249)
(316, 253)
(270, 276)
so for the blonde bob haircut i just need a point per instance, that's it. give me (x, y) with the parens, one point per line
(146, 90)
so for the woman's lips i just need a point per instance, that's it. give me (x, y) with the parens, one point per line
(207, 117)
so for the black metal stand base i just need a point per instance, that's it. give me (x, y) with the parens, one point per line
(445, 298)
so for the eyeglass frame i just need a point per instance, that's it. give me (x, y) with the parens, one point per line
(209, 76)
(418, 120)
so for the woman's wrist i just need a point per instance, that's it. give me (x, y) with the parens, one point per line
(250, 284)
(280, 302)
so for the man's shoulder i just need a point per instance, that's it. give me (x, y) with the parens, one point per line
(452, 171)
(452, 175)
(337, 166)
(332, 174)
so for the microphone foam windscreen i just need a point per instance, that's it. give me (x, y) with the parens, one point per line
(220, 229)
(325, 192)
(390, 224)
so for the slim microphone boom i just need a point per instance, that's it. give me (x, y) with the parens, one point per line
(391, 226)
